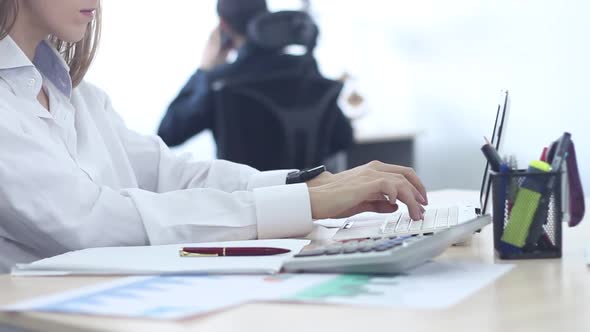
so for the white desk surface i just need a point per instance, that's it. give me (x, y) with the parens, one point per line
(381, 135)
(538, 295)
(373, 130)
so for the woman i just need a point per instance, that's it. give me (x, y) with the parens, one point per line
(73, 176)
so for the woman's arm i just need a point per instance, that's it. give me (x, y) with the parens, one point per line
(160, 170)
(50, 205)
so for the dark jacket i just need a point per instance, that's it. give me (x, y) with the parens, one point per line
(194, 108)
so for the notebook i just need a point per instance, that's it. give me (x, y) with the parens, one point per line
(400, 223)
(164, 259)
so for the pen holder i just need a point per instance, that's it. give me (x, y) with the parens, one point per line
(527, 214)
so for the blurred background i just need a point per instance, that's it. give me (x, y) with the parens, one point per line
(430, 68)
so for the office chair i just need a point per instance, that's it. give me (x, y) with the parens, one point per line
(282, 119)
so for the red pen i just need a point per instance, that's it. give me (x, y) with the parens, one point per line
(544, 154)
(230, 251)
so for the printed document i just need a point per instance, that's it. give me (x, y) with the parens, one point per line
(433, 285)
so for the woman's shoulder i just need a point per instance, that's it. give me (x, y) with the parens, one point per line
(90, 94)
(12, 106)
(90, 99)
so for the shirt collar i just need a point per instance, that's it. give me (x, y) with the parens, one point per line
(47, 61)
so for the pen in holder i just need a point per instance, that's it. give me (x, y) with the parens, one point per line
(527, 213)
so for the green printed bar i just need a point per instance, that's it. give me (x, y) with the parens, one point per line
(341, 286)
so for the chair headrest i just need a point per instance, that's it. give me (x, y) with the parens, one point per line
(278, 30)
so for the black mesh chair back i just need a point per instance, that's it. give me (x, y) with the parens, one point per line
(276, 122)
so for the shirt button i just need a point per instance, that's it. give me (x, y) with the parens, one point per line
(31, 82)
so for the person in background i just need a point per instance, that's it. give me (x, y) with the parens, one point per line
(194, 108)
(73, 176)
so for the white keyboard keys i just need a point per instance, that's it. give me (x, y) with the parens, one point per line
(429, 217)
(442, 218)
(453, 216)
(433, 219)
(390, 223)
(403, 224)
(416, 225)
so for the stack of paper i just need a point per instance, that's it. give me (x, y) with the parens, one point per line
(161, 260)
(430, 286)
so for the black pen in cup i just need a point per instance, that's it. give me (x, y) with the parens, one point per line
(491, 155)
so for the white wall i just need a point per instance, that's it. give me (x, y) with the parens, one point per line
(441, 64)
(435, 65)
(148, 51)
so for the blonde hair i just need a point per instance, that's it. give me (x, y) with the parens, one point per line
(77, 55)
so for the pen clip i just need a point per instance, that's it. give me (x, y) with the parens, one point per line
(183, 253)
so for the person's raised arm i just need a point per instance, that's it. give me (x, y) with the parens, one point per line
(192, 110)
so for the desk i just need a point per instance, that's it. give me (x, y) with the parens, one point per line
(537, 295)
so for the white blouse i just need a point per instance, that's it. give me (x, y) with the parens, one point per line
(77, 177)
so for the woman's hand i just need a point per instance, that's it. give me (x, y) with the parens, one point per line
(371, 187)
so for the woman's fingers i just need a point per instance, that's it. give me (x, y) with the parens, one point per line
(403, 191)
(407, 172)
(364, 193)
(400, 180)
(394, 170)
(382, 206)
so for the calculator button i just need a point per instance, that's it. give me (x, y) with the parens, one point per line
(365, 248)
(381, 248)
(311, 252)
(381, 241)
(394, 244)
(333, 249)
(349, 249)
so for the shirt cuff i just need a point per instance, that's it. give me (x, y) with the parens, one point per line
(283, 211)
(268, 179)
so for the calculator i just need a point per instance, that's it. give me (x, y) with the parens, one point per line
(382, 255)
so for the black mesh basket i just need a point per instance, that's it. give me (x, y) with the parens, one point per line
(527, 214)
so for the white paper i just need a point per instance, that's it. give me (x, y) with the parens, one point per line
(170, 297)
(161, 260)
(431, 286)
(588, 255)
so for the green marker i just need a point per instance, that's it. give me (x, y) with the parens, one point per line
(525, 207)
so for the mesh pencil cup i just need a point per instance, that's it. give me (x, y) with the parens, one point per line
(527, 214)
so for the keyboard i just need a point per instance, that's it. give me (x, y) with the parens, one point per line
(381, 255)
(433, 219)
(400, 223)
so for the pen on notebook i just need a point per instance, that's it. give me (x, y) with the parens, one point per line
(230, 251)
